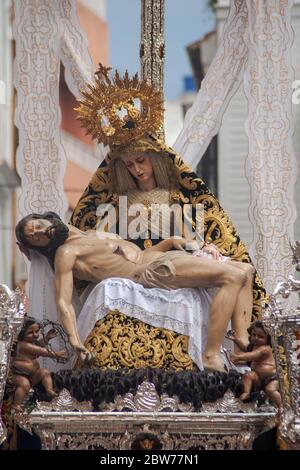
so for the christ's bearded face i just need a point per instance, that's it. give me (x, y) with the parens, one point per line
(45, 233)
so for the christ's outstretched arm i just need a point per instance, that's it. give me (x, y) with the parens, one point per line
(64, 262)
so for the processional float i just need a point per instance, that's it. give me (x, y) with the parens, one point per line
(146, 416)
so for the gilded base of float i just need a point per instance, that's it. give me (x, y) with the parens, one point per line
(147, 422)
(145, 431)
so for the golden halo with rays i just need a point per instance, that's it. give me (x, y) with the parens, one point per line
(119, 110)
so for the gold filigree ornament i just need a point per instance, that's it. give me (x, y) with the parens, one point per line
(118, 341)
(119, 110)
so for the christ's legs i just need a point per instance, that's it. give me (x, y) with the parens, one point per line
(242, 312)
(221, 312)
(68, 320)
(199, 272)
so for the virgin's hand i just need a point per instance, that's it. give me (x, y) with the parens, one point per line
(185, 244)
(179, 243)
(213, 251)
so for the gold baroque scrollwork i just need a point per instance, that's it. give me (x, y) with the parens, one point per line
(119, 341)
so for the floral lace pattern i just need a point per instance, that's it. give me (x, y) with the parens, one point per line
(271, 166)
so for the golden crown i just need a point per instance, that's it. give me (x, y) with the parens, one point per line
(119, 110)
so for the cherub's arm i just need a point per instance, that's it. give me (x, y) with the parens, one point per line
(33, 349)
(258, 354)
(236, 340)
(64, 262)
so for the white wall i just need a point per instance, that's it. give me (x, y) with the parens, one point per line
(96, 6)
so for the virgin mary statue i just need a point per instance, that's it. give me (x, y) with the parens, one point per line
(127, 115)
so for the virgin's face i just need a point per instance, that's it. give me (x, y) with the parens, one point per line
(140, 167)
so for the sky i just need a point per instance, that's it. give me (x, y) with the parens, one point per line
(186, 21)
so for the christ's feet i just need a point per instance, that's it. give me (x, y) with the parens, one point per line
(85, 357)
(213, 362)
(76, 344)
